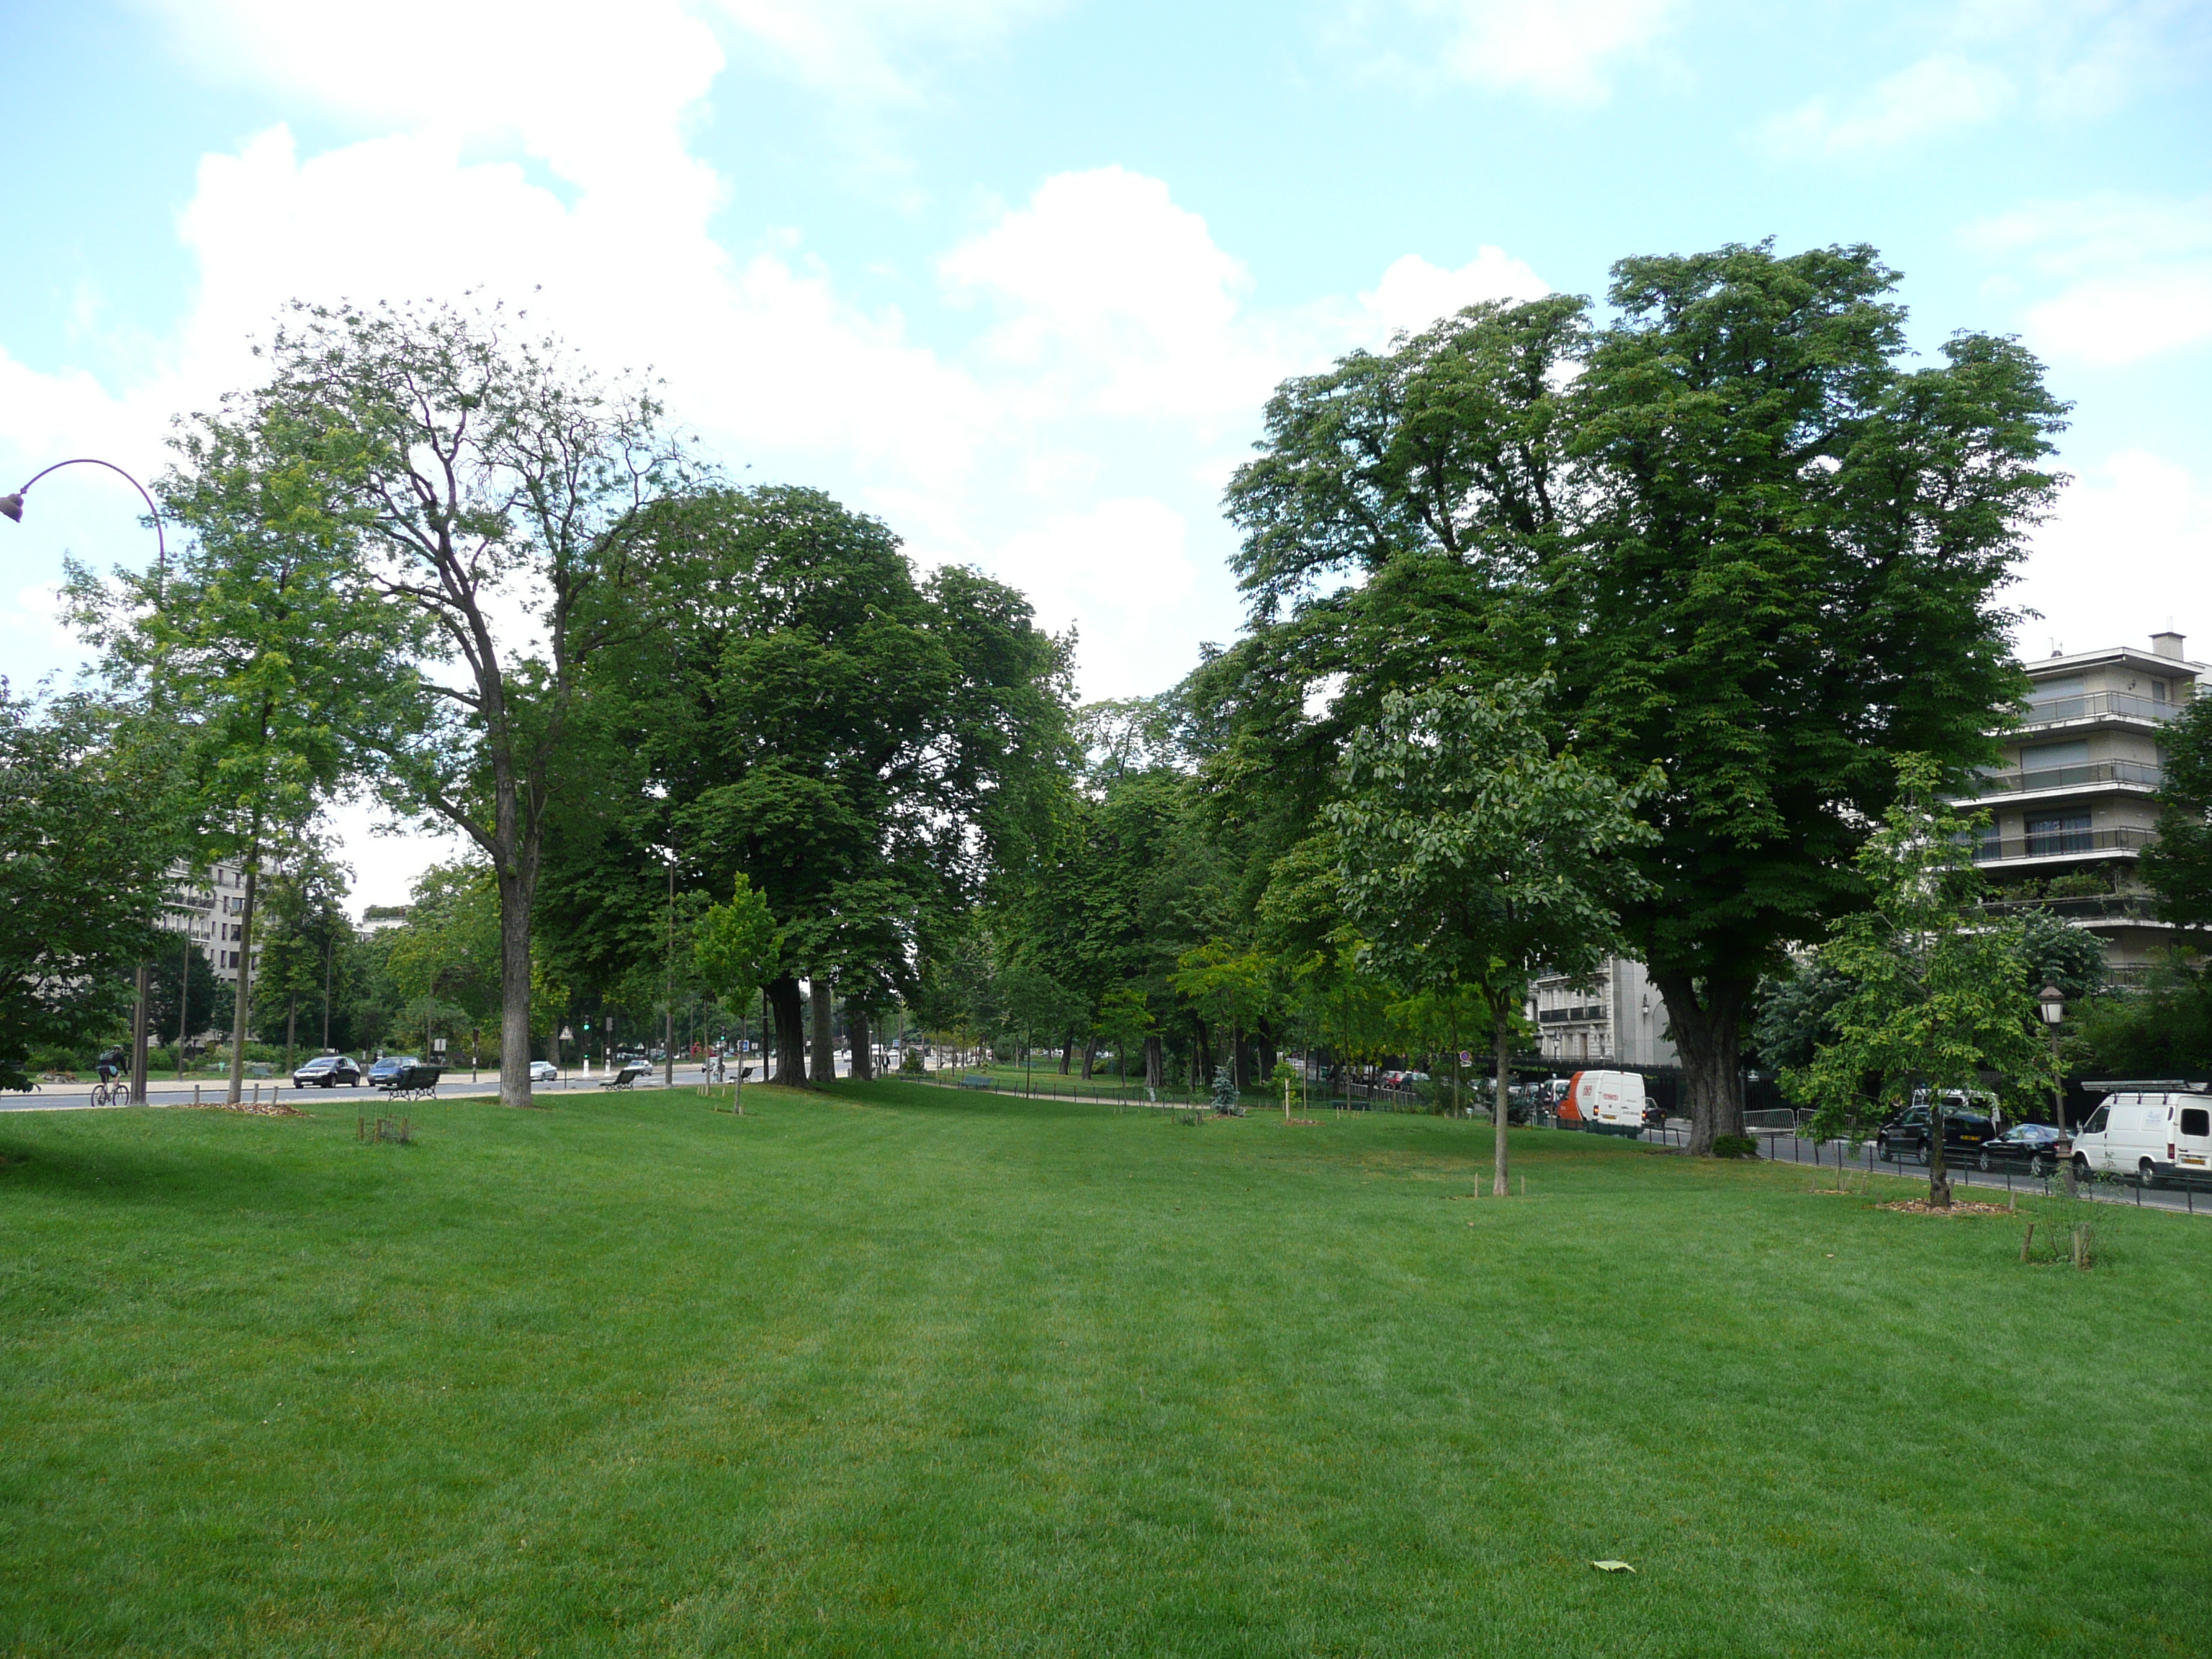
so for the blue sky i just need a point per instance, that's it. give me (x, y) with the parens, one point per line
(1017, 275)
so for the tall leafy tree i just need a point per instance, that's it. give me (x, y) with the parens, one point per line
(868, 749)
(493, 488)
(261, 657)
(1474, 857)
(1939, 994)
(86, 843)
(1756, 546)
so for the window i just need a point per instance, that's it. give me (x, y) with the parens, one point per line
(2196, 1120)
(2095, 1126)
(2047, 837)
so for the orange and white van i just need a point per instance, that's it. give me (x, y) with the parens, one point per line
(1604, 1102)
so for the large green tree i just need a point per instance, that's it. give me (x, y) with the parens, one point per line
(86, 838)
(493, 489)
(1475, 857)
(1757, 546)
(867, 747)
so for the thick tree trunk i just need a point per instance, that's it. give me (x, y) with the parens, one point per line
(1501, 1042)
(1708, 1035)
(822, 1005)
(1156, 1066)
(862, 1036)
(239, 1008)
(516, 893)
(1939, 1174)
(783, 1001)
(1089, 1056)
(1067, 1053)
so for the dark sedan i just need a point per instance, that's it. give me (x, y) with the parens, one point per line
(328, 1072)
(1905, 1135)
(2037, 1147)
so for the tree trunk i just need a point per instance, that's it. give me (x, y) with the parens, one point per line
(823, 1008)
(1263, 1042)
(1201, 1054)
(1067, 1053)
(1939, 1174)
(862, 1036)
(1708, 1035)
(1089, 1055)
(291, 1027)
(783, 999)
(238, 1008)
(1501, 1041)
(1156, 1068)
(515, 895)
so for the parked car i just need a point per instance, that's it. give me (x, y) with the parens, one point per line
(543, 1071)
(2037, 1146)
(2152, 1134)
(1966, 1129)
(388, 1068)
(328, 1072)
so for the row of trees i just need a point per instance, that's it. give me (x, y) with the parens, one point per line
(1565, 635)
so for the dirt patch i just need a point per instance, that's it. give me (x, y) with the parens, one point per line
(1959, 1207)
(247, 1109)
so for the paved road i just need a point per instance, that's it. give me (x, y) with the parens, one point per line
(77, 1097)
(1793, 1149)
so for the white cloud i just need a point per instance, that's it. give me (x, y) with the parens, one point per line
(1940, 93)
(2112, 278)
(1560, 50)
(2068, 59)
(1117, 568)
(2129, 553)
(863, 49)
(1104, 285)
(1415, 294)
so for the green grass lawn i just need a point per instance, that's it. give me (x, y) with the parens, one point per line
(901, 1371)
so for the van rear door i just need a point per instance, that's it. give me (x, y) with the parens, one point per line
(2192, 1139)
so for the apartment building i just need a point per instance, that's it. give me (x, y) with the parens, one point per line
(211, 914)
(1617, 1016)
(2073, 804)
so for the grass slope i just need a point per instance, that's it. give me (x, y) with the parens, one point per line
(901, 1371)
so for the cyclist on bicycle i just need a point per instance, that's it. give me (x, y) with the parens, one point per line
(110, 1064)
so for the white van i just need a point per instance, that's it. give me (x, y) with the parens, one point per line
(2153, 1135)
(1607, 1103)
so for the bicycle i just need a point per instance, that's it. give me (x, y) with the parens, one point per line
(114, 1093)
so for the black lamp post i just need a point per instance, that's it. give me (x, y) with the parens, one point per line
(12, 506)
(2050, 1002)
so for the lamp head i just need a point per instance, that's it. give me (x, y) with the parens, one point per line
(2052, 1001)
(13, 506)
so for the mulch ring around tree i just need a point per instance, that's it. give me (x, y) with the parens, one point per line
(250, 1109)
(1957, 1206)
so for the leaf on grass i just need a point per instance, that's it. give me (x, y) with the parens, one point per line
(1613, 1566)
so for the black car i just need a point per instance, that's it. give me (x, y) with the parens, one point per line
(328, 1072)
(2037, 1147)
(1966, 1131)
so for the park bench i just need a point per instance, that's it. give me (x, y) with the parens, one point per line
(977, 1080)
(623, 1078)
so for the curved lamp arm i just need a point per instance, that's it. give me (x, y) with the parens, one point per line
(12, 506)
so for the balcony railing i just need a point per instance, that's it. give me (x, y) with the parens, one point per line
(2059, 843)
(2089, 906)
(2100, 705)
(2070, 777)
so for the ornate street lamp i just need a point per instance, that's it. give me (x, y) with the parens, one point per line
(12, 506)
(2050, 1002)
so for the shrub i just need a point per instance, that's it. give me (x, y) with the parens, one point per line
(1735, 1146)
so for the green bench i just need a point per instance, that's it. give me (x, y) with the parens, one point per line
(978, 1080)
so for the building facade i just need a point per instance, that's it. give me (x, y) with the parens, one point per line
(1616, 1016)
(2073, 802)
(211, 912)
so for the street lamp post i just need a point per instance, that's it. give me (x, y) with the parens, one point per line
(12, 507)
(2051, 1001)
